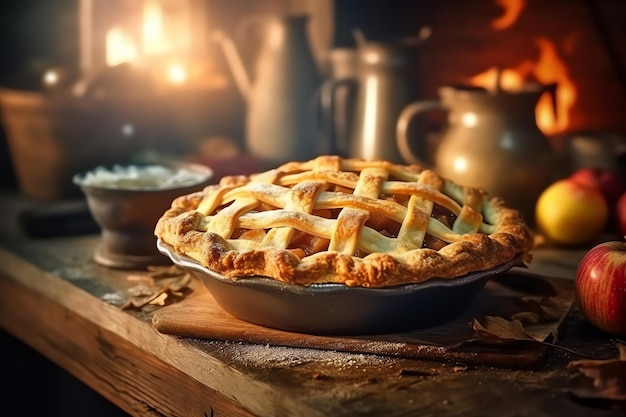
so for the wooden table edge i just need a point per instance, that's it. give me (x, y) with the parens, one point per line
(98, 342)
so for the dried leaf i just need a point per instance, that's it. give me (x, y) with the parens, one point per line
(527, 317)
(498, 330)
(141, 278)
(170, 284)
(141, 290)
(160, 299)
(179, 284)
(608, 377)
(545, 308)
(137, 303)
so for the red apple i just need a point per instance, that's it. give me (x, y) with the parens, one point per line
(620, 214)
(607, 182)
(601, 287)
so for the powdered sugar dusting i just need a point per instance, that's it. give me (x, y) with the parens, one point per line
(264, 356)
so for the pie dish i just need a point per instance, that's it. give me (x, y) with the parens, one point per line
(344, 221)
(337, 309)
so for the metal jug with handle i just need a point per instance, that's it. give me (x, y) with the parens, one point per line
(279, 123)
(384, 84)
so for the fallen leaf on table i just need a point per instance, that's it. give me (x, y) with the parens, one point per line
(608, 377)
(169, 285)
(538, 310)
(498, 330)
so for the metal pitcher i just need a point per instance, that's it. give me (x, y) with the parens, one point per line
(384, 84)
(279, 122)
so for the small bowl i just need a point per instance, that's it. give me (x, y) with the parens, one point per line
(337, 309)
(127, 202)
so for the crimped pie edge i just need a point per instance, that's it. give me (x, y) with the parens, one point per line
(509, 238)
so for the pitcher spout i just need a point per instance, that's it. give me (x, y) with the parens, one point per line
(240, 75)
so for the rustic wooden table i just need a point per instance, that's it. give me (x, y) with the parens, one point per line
(56, 299)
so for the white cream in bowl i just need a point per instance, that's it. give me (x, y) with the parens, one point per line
(142, 177)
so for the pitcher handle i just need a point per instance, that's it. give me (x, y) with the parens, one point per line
(328, 93)
(402, 128)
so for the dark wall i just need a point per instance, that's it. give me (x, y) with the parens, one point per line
(378, 20)
(35, 35)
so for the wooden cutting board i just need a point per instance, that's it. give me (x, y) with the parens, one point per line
(200, 316)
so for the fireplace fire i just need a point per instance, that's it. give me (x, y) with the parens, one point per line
(548, 68)
(578, 45)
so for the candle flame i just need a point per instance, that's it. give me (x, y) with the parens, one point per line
(156, 47)
(153, 36)
(120, 47)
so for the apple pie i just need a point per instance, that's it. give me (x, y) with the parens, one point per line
(351, 221)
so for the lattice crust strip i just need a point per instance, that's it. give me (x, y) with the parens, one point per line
(247, 226)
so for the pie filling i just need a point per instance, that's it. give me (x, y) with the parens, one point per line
(365, 223)
(303, 244)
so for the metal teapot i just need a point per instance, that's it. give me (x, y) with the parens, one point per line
(279, 123)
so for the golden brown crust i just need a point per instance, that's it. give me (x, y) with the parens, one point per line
(484, 235)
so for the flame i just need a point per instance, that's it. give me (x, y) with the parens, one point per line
(177, 74)
(153, 37)
(120, 47)
(509, 79)
(512, 10)
(123, 47)
(157, 45)
(548, 68)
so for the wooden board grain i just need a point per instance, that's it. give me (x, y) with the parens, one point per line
(200, 316)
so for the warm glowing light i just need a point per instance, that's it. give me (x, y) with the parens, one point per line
(371, 87)
(509, 79)
(160, 43)
(50, 78)
(120, 47)
(153, 37)
(548, 68)
(177, 74)
(372, 57)
(512, 10)
(460, 164)
(469, 119)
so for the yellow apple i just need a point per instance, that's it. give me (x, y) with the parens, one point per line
(571, 213)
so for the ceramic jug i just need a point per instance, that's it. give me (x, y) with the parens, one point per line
(279, 122)
(491, 140)
(384, 83)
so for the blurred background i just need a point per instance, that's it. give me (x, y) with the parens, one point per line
(90, 82)
(88, 104)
